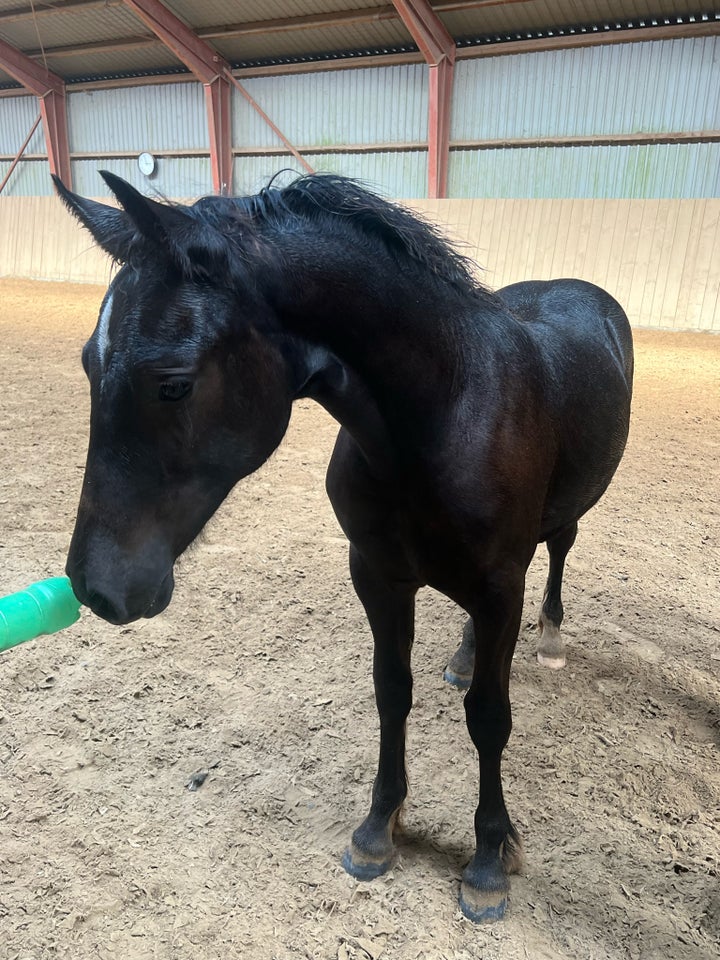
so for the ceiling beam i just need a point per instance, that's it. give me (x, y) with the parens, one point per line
(47, 8)
(95, 46)
(211, 70)
(670, 31)
(350, 17)
(303, 21)
(438, 49)
(50, 91)
(215, 74)
(199, 57)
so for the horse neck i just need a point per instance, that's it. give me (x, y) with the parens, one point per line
(399, 332)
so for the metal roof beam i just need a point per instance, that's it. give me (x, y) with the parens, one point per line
(50, 91)
(335, 18)
(438, 48)
(198, 56)
(46, 8)
(214, 73)
(427, 30)
(210, 69)
(96, 46)
(307, 21)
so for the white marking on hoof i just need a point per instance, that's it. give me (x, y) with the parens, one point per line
(554, 663)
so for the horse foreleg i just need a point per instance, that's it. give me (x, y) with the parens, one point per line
(551, 649)
(390, 609)
(496, 616)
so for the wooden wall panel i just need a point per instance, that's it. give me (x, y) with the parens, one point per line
(39, 239)
(659, 258)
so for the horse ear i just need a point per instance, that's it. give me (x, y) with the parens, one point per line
(195, 247)
(111, 228)
(152, 219)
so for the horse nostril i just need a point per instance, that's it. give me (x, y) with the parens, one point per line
(106, 609)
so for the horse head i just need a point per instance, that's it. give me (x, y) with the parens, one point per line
(190, 391)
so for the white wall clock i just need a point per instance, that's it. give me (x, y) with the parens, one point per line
(147, 164)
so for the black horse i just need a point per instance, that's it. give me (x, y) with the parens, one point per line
(474, 426)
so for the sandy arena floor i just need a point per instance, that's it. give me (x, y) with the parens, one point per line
(260, 672)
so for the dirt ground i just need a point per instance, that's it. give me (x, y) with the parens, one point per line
(260, 673)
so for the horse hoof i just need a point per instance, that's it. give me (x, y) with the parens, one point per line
(361, 867)
(553, 662)
(480, 906)
(459, 680)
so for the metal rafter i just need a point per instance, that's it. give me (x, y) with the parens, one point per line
(438, 48)
(210, 69)
(50, 91)
(298, 22)
(215, 74)
(358, 16)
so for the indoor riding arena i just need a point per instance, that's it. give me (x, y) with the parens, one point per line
(186, 786)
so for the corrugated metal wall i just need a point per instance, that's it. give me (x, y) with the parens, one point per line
(377, 106)
(662, 87)
(649, 171)
(347, 108)
(401, 175)
(17, 115)
(104, 123)
(368, 108)
(165, 116)
(154, 118)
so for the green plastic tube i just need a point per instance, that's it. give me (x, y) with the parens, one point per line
(45, 607)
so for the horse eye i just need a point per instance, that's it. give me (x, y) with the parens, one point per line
(173, 390)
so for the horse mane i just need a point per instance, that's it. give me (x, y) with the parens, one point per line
(339, 200)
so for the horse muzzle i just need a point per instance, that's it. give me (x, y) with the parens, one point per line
(121, 606)
(117, 585)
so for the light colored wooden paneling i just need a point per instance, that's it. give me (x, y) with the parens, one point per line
(39, 239)
(659, 258)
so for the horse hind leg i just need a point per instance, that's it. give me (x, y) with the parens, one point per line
(550, 648)
(459, 671)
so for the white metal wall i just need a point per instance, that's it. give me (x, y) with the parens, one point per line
(153, 118)
(402, 175)
(663, 87)
(378, 106)
(349, 118)
(637, 171)
(17, 115)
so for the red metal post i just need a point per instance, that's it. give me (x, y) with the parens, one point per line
(438, 48)
(440, 96)
(50, 89)
(217, 103)
(53, 107)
